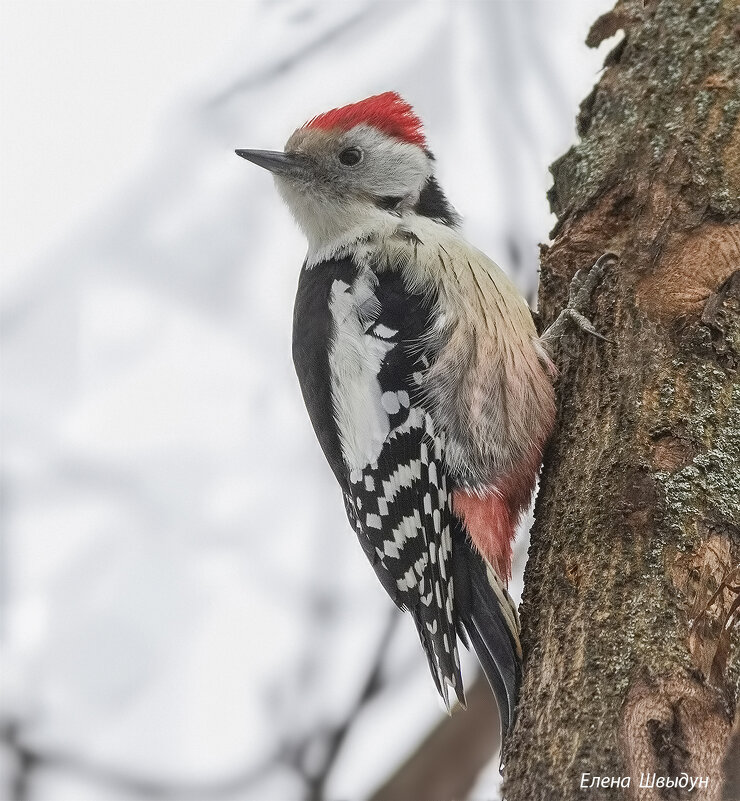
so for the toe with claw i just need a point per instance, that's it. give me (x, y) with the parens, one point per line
(579, 295)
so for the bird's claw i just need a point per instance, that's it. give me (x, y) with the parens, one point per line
(579, 294)
(582, 322)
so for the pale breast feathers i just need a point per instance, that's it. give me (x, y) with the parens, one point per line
(489, 387)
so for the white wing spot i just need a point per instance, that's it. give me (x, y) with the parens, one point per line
(409, 579)
(391, 549)
(385, 332)
(402, 476)
(419, 566)
(390, 402)
(437, 519)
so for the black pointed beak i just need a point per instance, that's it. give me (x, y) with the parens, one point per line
(290, 164)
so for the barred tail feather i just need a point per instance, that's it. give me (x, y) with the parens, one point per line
(444, 662)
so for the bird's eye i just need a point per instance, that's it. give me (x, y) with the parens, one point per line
(350, 156)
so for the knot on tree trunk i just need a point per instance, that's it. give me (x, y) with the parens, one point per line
(670, 726)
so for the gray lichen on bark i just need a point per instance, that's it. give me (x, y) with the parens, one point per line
(651, 103)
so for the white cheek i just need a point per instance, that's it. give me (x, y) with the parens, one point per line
(391, 167)
(401, 174)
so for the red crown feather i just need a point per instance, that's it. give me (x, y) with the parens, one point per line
(388, 112)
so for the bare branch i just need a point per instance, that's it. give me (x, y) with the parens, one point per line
(448, 761)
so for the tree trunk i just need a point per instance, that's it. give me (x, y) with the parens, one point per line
(632, 589)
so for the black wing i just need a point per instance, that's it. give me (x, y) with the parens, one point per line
(401, 511)
(400, 508)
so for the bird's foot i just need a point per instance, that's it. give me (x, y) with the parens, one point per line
(579, 296)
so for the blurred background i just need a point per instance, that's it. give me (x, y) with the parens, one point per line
(184, 610)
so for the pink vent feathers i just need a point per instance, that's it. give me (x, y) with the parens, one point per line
(388, 112)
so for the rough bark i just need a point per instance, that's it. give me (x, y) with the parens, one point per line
(632, 589)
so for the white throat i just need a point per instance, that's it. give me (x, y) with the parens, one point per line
(335, 226)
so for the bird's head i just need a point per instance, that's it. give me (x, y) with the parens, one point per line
(354, 169)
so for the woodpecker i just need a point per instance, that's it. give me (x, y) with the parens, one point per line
(425, 380)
